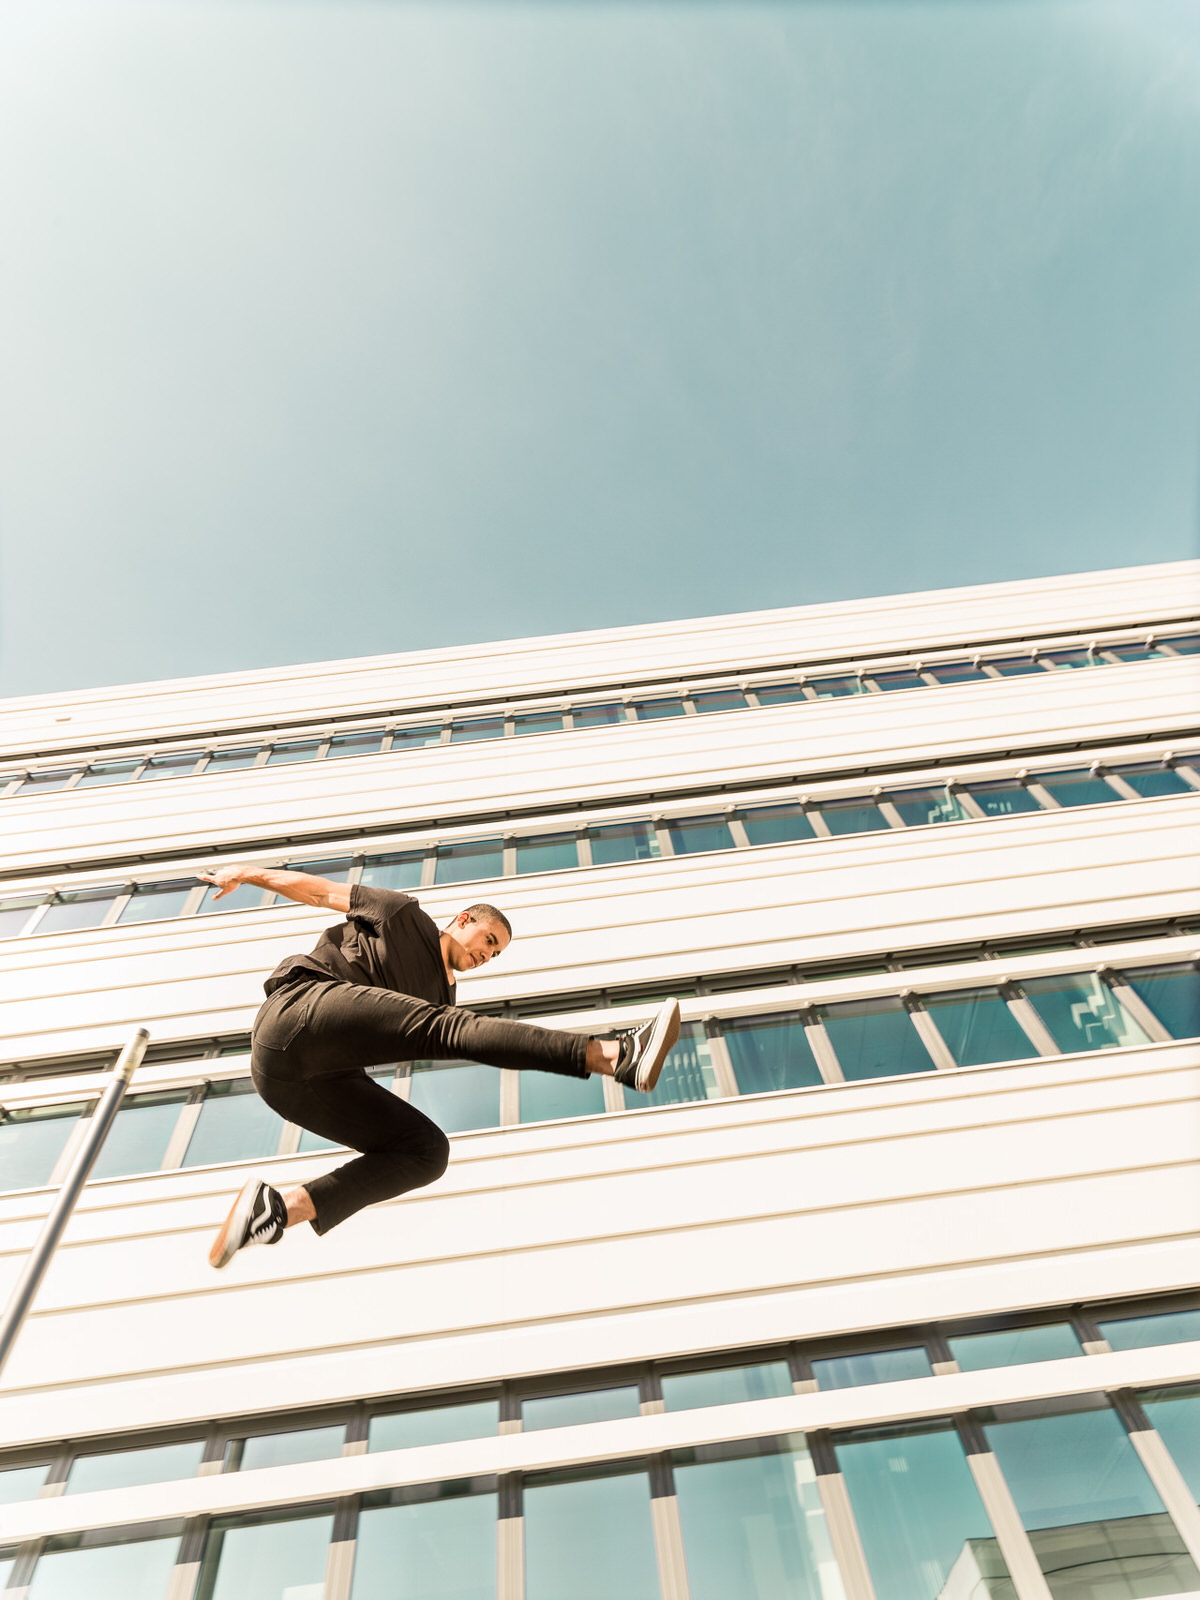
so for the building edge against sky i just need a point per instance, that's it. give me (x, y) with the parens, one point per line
(890, 1291)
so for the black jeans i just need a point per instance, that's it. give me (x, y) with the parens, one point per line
(314, 1037)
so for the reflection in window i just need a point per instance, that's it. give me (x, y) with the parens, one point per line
(430, 1543)
(770, 1052)
(921, 806)
(549, 1095)
(692, 834)
(103, 772)
(77, 908)
(457, 1095)
(1015, 666)
(269, 1557)
(726, 1386)
(151, 901)
(1152, 780)
(719, 700)
(832, 688)
(923, 1527)
(401, 870)
(1014, 1347)
(31, 1141)
(852, 816)
(335, 868)
(138, 1138)
(405, 1430)
(22, 1483)
(472, 728)
(874, 1038)
(80, 1565)
(753, 1526)
(299, 750)
(416, 738)
(599, 716)
(568, 1410)
(126, 1469)
(246, 897)
(47, 782)
(1173, 994)
(282, 1449)
(1081, 1013)
(1175, 1413)
(537, 722)
(687, 1074)
(570, 1549)
(1096, 1524)
(1075, 788)
(655, 710)
(1187, 644)
(623, 841)
(547, 852)
(1162, 1327)
(1004, 798)
(234, 1125)
(14, 914)
(904, 679)
(776, 824)
(1134, 652)
(181, 765)
(231, 760)
(779, 694)
(355, 744)
(978, 1027)
(473, 858)
(874, 1366)
(1070, 658)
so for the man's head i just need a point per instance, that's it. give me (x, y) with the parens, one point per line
(475, 937)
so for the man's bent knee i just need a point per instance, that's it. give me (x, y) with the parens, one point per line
(429, 1159)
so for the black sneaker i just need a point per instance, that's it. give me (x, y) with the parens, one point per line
(644, 1049)
(257, 1216)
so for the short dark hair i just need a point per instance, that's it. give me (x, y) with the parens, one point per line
(483, 912)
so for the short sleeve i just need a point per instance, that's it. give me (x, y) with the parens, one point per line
(376, 906)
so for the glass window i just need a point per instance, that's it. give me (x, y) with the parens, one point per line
(906, 678)
(416, 738)
(1151, 780)
(834, 687)
(14, 914)
(1070, 658)
(923, 1527)
(726, 1386)
(955, 672)
(1173, 994)
(978, 1027)
(472, 728)
(547, 852)
(852, 816)
(180, 765)
(440, 1546)
(1014, 1347)
(566, 1410)
(1075, 788)
(246, 897)
(31, 1141)
(875, 1366)
(719, 700)
(537, 722)
(405, 1430)
(1188, 644)
(335, 868)
(457, 1095)
(1096, 1524)
(138, 1138)
(776, 824)
(770, 1052)
(623, 841)
(296, 750)
(778, 694)
(599, 716)
(1175, 1413)
(920, 806)
(22, 1483)
(125, 1469)
(687, 1073)
(81, 1566)
(472, 858)
(399, 871)
(754, 1527)
(232, 760)
(1004, 798)
(234, 1125)
(77, 908)
(875, 1038)
(151, 901)
(47, 782)
(366, 743)
(548, 1095)
(1161, 1327)
(1081, 1013)
(654, 710)
(1134, 652)
(1015, 666)
(269, 1557)
(108, 772)
(692, 834)
(282, 1449)
(570, 1547)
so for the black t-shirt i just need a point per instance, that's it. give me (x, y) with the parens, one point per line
(387, 942)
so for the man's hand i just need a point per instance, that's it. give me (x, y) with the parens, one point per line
(227, 879)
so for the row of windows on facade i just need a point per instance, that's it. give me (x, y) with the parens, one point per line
(630, 840)
(384, 739)
(1084, 1475)
(851, 1041)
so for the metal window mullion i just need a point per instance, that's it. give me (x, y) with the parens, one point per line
(510, 726)
(614, 1094)
(1117, 782)
(402, 1082)
(11, 786)
(1088, 1333)
(1043, 796)
(355, 872)
(821, 1046)
(1134, 1005)
(967, 801)
(261, 759)
(844, 1537)
(1168, 1481)
(718, 1054)
(429, 866)
(185, 1574)
(807, 690)
(815, 820)
(1031, 1024)
(752, 700)
(568, 717)
(887, 809)
(185, 1126)
(508, 856)
(990, 671)
(510, 1097)
(289, 1139)
(929, 1033)
(21, 1576)
(689, 705)
(1187, 773)
(668, 1532)
(737, 828)
(1015, 1544)
(36, 914)
(120, 901)
(510, 1540)
(67, 1154)
(662, 834)
(194, 900)
(339, 1559)
(202, 761)
(583, 847)
(385, 742)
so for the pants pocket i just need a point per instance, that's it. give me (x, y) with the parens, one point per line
(281, 1016)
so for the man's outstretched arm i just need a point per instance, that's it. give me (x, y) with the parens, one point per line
(300, 886)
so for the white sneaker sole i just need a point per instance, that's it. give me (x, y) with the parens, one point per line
(658, 1047)
(226, 1244)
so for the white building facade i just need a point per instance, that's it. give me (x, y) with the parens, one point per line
(888, 1292)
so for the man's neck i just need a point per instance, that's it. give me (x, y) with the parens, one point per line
(444, 945)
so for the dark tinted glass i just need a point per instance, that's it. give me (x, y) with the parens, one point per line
(568, 1410)
(297, 750)
(108, 772)
(921, 806)
(1187, 644)
(692, 834)
(151, 901)
(832, 688)
(1173, 994)
(978, 1027)
(778, 694)
(1053, 1341)
(853, 816)
(355, 744)
(719, 700)
(547, 852)
(599, 716)
(875, 1039)
(476, 728)
(655, 710)
(416, 738)
(474, 858)
(1162, 1327)
(776, 824)
(1004, 798)
(687, 1075)
(1015, 666)
(1082, 1013)
(1075, 788)
(1133, 652)
(176, 766)
(77, 908)
(231, 760)
(399, 871)
(14, 914)
(538, 722)
(726, 1386)
(905, 678)
(335, 868)
(46, 782)
(1152, 781)
(1070, 658)
(770, 1052)
(955, 672)
(623, 841)
(878, 1366)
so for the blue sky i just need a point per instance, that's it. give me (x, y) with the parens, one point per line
(333, 327)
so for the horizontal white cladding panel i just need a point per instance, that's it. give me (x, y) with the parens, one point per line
(957, 723)
(643, 922)
(906, 622)
(795, 1215)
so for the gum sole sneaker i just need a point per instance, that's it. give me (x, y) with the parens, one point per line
(644, 1049)
(257, 1216)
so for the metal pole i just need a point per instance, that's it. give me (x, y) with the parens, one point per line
(60, 1212)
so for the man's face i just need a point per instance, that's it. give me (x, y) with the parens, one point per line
(473, 943)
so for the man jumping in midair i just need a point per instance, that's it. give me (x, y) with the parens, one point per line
(379, 987)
